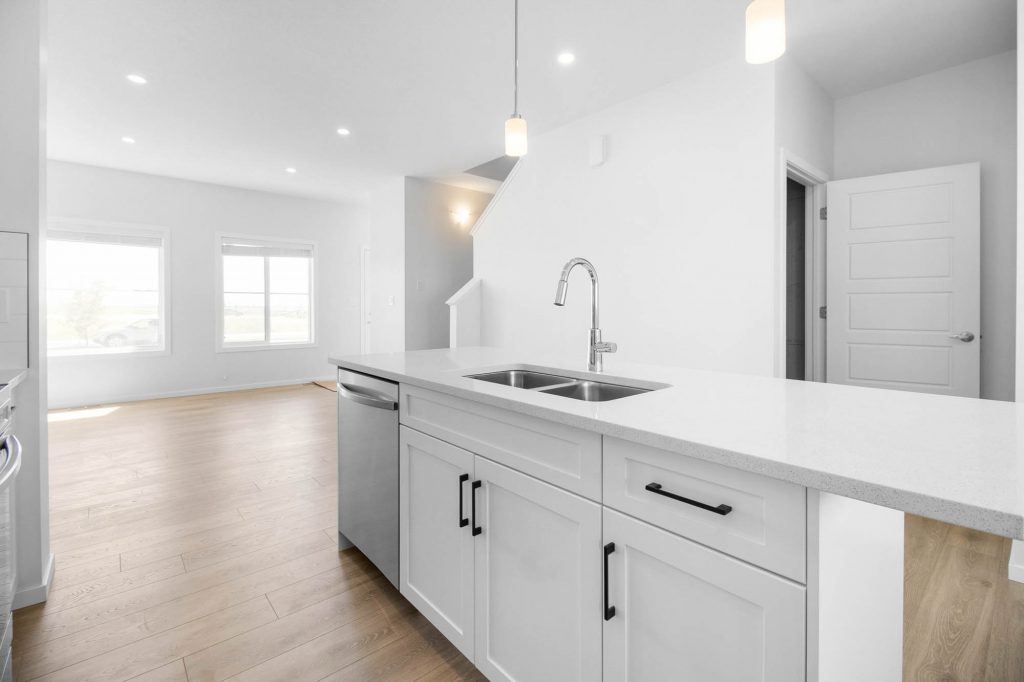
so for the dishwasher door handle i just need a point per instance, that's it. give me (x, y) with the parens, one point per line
(12, 464)
(368, 398)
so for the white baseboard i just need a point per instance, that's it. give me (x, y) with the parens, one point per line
(35, 594)
(135, 397)
(1016, 569)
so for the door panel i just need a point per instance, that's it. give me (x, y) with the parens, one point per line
(436, 552)
(904, 279)
(538, 580)
(685, 612)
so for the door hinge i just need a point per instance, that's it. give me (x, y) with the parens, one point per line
(823, 312)
(823, 213)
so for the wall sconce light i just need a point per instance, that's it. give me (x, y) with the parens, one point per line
(461, 216)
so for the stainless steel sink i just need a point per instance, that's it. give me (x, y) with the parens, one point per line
(521, 378)
(568, 385)
(594, 391)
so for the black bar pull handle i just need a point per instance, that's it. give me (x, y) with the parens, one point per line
(722, 509)
(476, 484)
(609, 611)
(463, 521)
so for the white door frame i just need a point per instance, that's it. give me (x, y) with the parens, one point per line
(814, 179)
(364, 300)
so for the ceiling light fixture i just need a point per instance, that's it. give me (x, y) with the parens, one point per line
(515, 127)
(766, 31)
(566, 58)
(461, 216)
(137, 79)
(290, 170)
(128, 140)
(344, 132)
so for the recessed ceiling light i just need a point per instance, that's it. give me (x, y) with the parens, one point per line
(128, 140)
(290, 170)
(344, 132)
(566, 58)
(137, 79)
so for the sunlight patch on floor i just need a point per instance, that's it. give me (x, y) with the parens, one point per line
(87, 413)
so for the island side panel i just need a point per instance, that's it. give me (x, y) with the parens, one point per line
(855, 590)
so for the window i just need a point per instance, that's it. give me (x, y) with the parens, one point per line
(105, 291)
(267, 293)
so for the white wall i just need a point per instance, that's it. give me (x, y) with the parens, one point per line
(804, 116)
(387, 267)
(22, 198)
(194, 213)
(679, 221)
(438, 256)
(959, 115)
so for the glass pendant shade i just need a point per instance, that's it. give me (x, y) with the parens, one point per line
(766, 31)
(515, 136)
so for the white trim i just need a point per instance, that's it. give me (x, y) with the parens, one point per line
(202, 390)
(36, 594)
(792, 166)
(482, 220)
(218, 285)
(1016, 568)
(110, 227)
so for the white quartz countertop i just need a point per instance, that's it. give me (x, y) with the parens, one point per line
(952, 459)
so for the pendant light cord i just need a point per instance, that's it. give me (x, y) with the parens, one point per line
(515, 68)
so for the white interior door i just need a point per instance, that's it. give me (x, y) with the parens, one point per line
(904, 293)
(365, 312)
(538, 580)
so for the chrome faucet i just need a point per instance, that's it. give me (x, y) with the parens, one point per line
(597, 347)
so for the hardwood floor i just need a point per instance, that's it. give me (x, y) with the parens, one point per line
(963, 619)
(195, 540)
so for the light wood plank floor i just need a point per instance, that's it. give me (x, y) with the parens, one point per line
(195, 541)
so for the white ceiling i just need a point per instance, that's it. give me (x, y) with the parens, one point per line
(850, 46)
(241, 89)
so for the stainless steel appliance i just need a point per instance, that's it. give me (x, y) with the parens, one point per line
(368, 468)
(10, 463)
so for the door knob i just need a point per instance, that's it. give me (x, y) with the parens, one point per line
(966, 337)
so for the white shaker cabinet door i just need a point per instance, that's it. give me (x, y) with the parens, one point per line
(686, 612)
(436, 547)
(538, 580)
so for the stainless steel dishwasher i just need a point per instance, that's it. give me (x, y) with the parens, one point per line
(368, 468)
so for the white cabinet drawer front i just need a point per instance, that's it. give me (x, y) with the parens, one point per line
(765, 526)
(567, 457)
(686, 612)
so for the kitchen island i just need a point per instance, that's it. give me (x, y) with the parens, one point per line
(658, 532)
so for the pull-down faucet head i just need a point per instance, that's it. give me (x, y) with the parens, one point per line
(563, 286)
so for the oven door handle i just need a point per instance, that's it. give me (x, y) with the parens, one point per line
(12, 446)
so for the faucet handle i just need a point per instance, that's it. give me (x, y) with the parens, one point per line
(605, 347)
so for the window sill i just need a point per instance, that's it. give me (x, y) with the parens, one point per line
(242, 348)
(111, 354)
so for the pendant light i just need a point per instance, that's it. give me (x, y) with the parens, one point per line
(766, 31)
(515, 126)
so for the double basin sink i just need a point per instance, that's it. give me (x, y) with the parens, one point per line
(569, 387)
